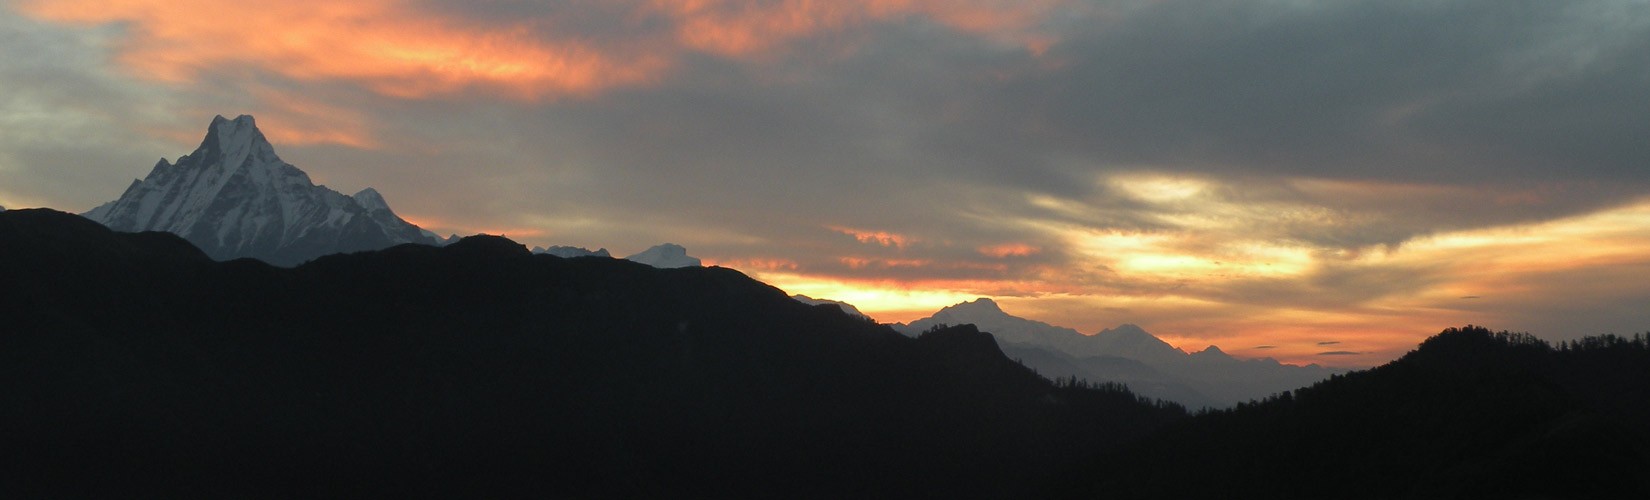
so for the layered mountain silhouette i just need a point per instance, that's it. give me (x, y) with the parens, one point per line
(234, 197)
(134, 364)
(1469, 414)
(570, 252)
(844, 306)
(1129, 355)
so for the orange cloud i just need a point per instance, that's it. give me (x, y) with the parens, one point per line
(746, 27)
(1009, 250)
(864, 263)
(296, 120)
(386, 45)
(394, 48)
(883, 238)
(753, 264)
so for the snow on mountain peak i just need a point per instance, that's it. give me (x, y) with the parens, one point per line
(234, 197)
(668, 255)
(370, 199)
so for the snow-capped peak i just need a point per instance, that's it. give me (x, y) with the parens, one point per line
(370, 199)
(668, 255)
(234, 197)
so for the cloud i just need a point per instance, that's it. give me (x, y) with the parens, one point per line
(1331, 342)
(1339, 353)
(380, 44)
(1268, 173)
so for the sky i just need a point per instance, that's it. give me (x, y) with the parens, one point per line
(1319, 182)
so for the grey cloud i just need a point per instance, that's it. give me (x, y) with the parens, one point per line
(1335, 89)
(898, 126)
(1460, 93)
(72, 127)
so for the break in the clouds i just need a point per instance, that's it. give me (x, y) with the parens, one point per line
(1251, 173)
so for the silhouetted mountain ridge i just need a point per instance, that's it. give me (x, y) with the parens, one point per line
(1469, 414)
(133, 365)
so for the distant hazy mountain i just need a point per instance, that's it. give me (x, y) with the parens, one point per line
(1127, 354)
(135, 366)
(668, 255)
(440, 240)
(844, 306)
(570, 252)
(233, 197)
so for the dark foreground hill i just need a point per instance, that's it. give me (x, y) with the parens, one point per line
(134, 365)
(1469, 414)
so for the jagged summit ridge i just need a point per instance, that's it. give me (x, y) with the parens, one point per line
(234, 197)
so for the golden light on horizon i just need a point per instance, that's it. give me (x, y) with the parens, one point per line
(885, 300)
(1342, 324)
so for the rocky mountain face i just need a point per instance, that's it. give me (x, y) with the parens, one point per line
(234, 197)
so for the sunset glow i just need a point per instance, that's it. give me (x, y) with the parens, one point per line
(1244, 175)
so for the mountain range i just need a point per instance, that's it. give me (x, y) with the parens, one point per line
(568, 252)
(234, 197)
(666, 256)
(844, 306)
(1129, 355)
(133, 364)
